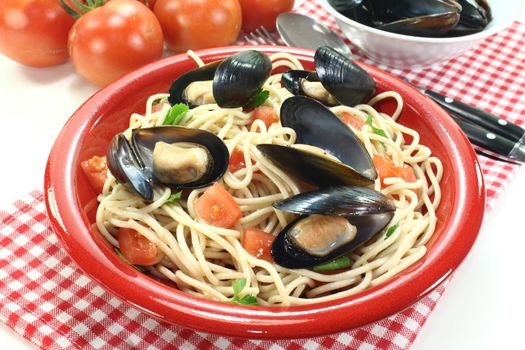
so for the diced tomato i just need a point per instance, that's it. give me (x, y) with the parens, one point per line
(137, 249)
(349, 118)
(217, 207)
(158, 106)
(386, 168)
(236, 161)
(95, 171)
(265, 113)
(258, 243)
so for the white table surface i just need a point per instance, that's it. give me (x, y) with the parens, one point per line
(482, 307)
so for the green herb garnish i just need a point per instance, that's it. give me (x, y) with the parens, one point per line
(174, 197)
(136, 267)
(391, 230)
(377, 131)
(341, 262)
(257, 99)
(238, 286)
(175, 114)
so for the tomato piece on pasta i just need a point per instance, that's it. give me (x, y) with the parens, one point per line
(137, 249)
(265, 113)
(217, 207)
(349, 118)
(258, 243)
(386, 168)
(95, 171)
(236, 161)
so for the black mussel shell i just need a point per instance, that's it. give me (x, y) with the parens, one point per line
(357, 10)
(369, 217)
(128, 169)
(240, 76)
(427, 26)
(316, 125)
(342, 78)
(311, 168)
(204, 73)
(386, 11)
(337, 200)
(291, 80)
(474, 14)
(144, 141)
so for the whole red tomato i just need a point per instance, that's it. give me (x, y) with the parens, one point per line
(112, 40)
(34, 32)
(256, 13)
(198, 24)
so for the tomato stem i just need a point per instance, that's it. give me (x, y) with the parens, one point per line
(82, 8)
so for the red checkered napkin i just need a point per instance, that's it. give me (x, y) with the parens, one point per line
(48, 300)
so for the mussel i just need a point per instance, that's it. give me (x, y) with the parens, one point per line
(173, 156)
(333, 221)
(429, 18)
(229, 83)
(415, 17)
(336, 80)
(340, 159)
(474, 16)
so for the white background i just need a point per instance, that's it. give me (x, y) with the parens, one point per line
(482, 307)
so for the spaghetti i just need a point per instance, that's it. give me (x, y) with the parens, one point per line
(205, 260)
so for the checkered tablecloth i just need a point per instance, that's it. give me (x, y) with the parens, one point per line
(45, 297)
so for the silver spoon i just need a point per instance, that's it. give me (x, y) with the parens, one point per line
(302, 31)
(483, 129)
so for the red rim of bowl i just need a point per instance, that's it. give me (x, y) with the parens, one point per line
(171, 305)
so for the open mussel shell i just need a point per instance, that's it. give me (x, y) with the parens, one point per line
(291, 80)
(316, 125)
(307, 83)
(427, 26)
(216, 153)
(179, 85)
(240, 76)
(369, 211)
(337, 200)
(312, 168)
(343, 78)
(128, 169)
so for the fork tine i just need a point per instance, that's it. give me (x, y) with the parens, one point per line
(264, 33)
(257, 39)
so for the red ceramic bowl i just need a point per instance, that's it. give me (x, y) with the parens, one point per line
(71, 204)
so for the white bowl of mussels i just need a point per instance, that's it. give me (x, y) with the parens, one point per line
(412, 34)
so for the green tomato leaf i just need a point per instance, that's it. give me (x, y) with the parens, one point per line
(257, 99)
(341, 262)
(175, 114)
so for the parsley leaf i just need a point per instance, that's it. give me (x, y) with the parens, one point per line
(136, 267)
(257, 99)
(375, 130)
(174, 197)
(175, 114)
(391, 230)
(246, 300)
(238, 286)
(336, 264)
